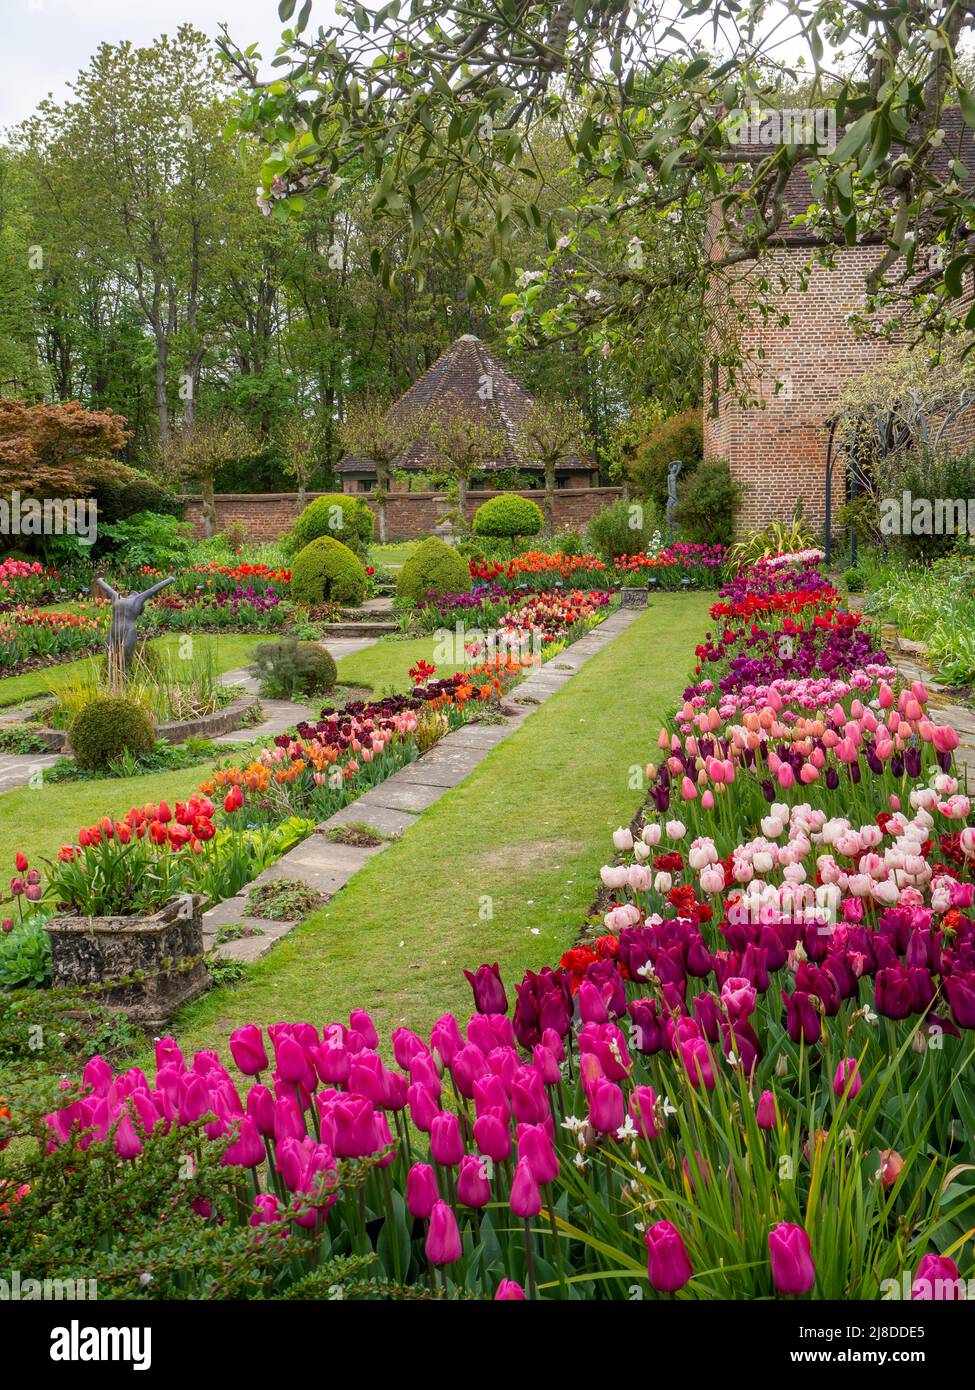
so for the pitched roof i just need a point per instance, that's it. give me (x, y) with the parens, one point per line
(958, 144)
(467, 376)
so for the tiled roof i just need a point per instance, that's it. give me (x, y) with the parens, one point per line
(467, 377)
(958, 144)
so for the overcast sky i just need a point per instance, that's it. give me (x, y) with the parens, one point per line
(44, 43)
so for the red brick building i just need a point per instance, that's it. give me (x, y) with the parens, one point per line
(777, 449)
(467, 377)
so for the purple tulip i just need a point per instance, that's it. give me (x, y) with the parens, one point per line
(489, 995)
(847, 1080)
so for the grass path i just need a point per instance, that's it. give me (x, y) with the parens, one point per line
(524, 836)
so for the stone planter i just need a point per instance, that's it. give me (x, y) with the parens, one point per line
(633, 598)
(145, 966)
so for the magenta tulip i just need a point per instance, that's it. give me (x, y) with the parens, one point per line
(668, 1264)
(937, 1281)
(473, 1187)
(526, 1200)
(421, 1190)
(443, 1238)
(793, 1271)
(765, 1111)
(446, 1141)
(847, 1080)
(248, 1051)
(509, 1292)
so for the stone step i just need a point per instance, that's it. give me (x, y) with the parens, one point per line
(360, 629)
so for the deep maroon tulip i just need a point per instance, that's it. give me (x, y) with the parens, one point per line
(421, 1190)
(473, 1187)
(802, 1022)
(526, 1200)
(248, 1051)
(489, 995)
(793, 1271)
(937, 1281)
(668, 1265)
(892, 992)
(443, 1245)
(960, 989)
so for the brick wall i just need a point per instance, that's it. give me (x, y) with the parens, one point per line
(264, 516)
(777, 450)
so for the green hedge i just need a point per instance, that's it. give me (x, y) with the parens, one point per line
(433, 565)
(324, 570)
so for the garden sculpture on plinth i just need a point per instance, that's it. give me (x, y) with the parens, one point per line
(672, 473)
(124, 631)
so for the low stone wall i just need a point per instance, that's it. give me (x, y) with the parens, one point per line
(264, 515)
(221, 721)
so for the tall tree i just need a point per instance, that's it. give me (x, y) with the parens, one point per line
(372, 429)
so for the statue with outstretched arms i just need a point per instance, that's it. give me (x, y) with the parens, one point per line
(124, 631)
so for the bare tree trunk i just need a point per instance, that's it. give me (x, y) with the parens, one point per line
(162, 406)
(550, 496)
(209, 507)
(382, 488)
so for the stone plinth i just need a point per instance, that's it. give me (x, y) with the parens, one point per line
(145, 966)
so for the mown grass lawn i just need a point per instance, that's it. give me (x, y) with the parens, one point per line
(385, 665)
(503, 868)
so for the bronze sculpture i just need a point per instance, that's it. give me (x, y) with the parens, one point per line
(124, 631)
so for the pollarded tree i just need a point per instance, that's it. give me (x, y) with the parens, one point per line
(462, 442)
(197, 453)
(372, 429)
(298, 439)
(551, 431)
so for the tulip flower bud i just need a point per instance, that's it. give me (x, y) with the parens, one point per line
(443, 1245)
(793, 1271)
(421, 1190)
(668, 1265)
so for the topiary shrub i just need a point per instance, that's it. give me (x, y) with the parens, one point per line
(508, 515)
(433, 565)
(289, 668)
(707, 502)
(324, 570)
(145, 495)
(679, 437)
(339, 515)
(624, 528)
(107, 727)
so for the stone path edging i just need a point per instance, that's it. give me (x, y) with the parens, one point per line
(396, 803)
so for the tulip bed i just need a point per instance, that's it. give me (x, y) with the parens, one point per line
(29, 636)
(676, 566)
(752, 1080)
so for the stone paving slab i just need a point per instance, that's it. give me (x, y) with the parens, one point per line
(17, 769)
(381, 818)
(446, 771)
(396, 795)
